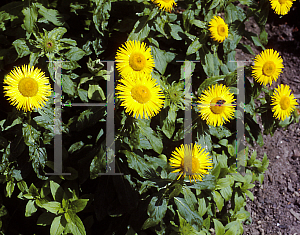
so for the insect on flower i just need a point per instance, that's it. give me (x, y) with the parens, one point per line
(220, 102)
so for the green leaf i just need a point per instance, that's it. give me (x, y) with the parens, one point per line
(51, 15)
(136, 162)
(57, 226)
(190, 198)
(219, 228)
(30, 14)
(75, 54)
(56, 191)
(140, 30)
(210, 81)
(21, 47)
(10, 187)
(214, 4)
(194, 47)
(68, 86)
(218, 199)
(226, 193)
(156, 210)
(202, 206)
(175, 30)
(250, 195)
(199, 24)
(220, 131)
(161, 59)
(22, 186)
(238, 201)
(153, 138)
(76, 225)
(52, 207)
(79, 204)
(191, 216)
(45, 219)
(95, 92)
(75, 147)
(234, 228)
(57, 34)
(30, 208)
(257, 42)
(231, 150)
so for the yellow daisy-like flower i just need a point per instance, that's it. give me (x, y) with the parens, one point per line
(165, 4)
(283, 101)
(216, 105)
(134, 59)
(141, 96)
(281, 7)
(191, 160)
(267, 67)
(27, 88)
(218, 29)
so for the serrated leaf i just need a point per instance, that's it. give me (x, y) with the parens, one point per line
(219, 228)
(30, 208)
(175, 30)
(21, 47)
(52, 207)
(136, 162)
(75, 54)
(50, 14)
(56, 191)
(30, 18)
(218, 199)
(226, 193)
(192, 217)
(79, 204)
(57, 227)
(193, 47)
(140, 30)
(156, 210)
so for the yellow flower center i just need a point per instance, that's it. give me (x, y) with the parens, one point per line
(282, 1)
(284, 103)
(216, 105)
(28, 87)
(141, 94)
(137, 61)
(221, 30)
(269, 68)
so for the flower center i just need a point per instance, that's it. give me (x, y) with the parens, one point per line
(28, 87)
(137, 61)
(49, 44)
(269, 68)
(284, 103)
(216, 105)
(221, 30)
(141, 94)
(282, 1)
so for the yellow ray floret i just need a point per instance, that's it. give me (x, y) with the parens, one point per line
(283, 101)
(267, 67)
(27, 88)
(134, 59)
(166, 5)
(216, 106)
(218, 29)
(141, 96)
(281, 7)
(191, 160)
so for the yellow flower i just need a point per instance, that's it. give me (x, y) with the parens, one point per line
(267, 67)
(27, 88)
(216, 105)
(141, 96)
(283, 101)
(192, 161)
(281, 7)
(134, 59)
(165, 4)
(218, 29)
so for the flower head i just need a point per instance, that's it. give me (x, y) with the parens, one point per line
(216, 105)
(174, 94)
(283, 101)
(165, 4)
(141, 96)
(267, 67)
(27, 88)
(281, 7)
(191, 160)
(218, 29)
(134, 59)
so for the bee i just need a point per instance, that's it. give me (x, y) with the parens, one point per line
(220, 102)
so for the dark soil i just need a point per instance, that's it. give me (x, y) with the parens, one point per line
(276, 205)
